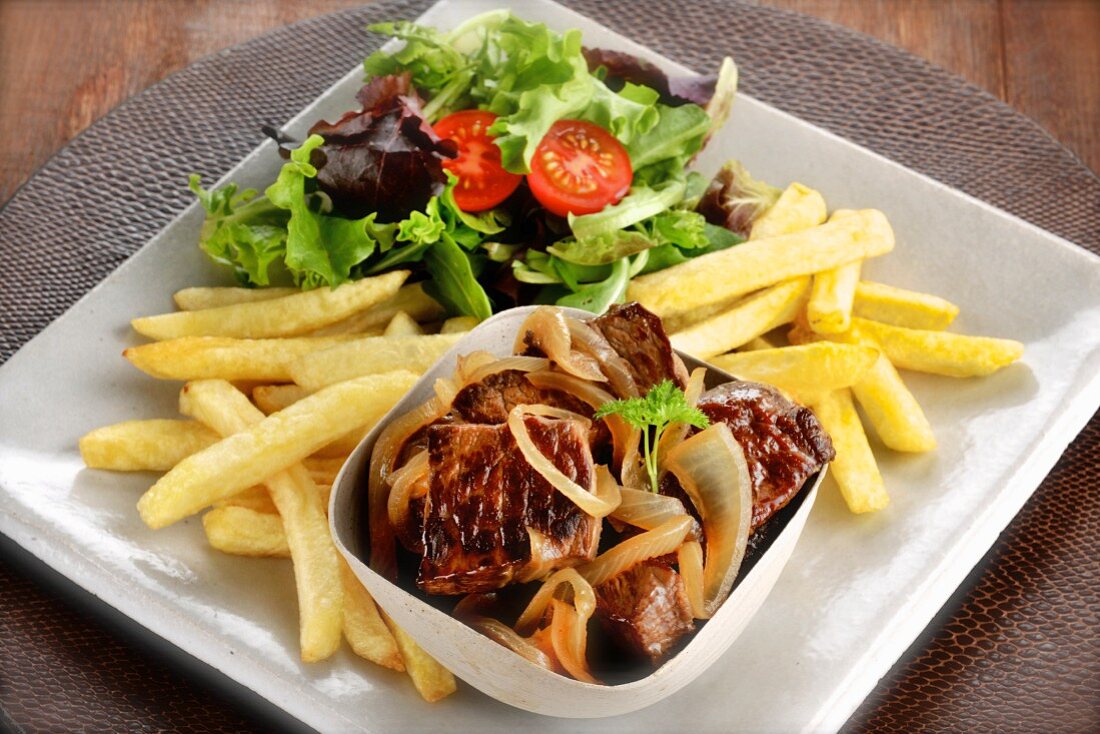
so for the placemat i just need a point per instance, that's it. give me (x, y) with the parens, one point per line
(1015, 649)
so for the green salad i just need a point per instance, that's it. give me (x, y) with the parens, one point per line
(502, 162)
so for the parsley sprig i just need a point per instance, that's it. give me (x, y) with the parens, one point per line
(663, 406)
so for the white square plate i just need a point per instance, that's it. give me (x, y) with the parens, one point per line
(857, 590)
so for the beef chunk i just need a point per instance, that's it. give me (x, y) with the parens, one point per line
(490, 400)
(784, 443)
(484, 497)
(645, 610)
(639, 338)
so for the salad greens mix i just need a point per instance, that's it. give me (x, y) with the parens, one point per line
(377, 189)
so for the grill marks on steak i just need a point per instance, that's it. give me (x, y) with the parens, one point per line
(639, 337)
(645, 609)
(784, 443)
(483, 497)
(492, 399)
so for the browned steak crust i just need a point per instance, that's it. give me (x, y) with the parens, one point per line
(645, 610)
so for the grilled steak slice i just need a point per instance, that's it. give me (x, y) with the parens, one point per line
(645, 610)
(485, 503)
(490, 400)
(784, 443)
(639, 338)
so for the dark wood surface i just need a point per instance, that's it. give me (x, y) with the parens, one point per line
(65, 63)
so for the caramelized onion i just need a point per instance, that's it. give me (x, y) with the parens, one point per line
(689, 558)
(593, 343)
(505, 635)
(660, 541)
(621, 436)
(600, 504)
(581, 389)
(644, 509)
(584, 598)
(520, 364)
(384, 456)
(546, 330)
(406, 484)
(569, 636)
(711, 468)
(468, 363)
(633, 471)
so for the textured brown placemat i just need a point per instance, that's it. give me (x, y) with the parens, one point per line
(1016, 649)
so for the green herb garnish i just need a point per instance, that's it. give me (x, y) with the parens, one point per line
(663, 406)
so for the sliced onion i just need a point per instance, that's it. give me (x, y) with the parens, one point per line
(544, 556)
(519, 364)
(386, 451)
(468, 363)
(581, 389)
(689, 558)
(406, 484)
(569, 636)
(711, 468)
(651, 544)
(595, 344)
(600, 504)
(548, 332)
(644, 509)
(624, 439)
(584, 598)
(505, 635)
(677, 432)
(633, 471)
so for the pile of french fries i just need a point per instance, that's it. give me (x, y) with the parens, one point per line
(788, 307)
(279, 387)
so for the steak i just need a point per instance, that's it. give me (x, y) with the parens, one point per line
(784, 443)
(485, 503)
(645, 609)
(640, 339)
(490, 400)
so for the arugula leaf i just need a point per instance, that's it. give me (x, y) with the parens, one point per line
(664, 405)
(454, 282)
(598, 297)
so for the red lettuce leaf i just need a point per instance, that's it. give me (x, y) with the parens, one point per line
(677, 90)
(384, 158)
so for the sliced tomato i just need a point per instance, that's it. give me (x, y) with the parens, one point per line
(579, 168)
(482, 181)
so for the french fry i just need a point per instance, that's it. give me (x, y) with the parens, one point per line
(273, 398)
(901, 307)
(802, 370)
(316, 562)
(277, 317)
(364, 629)
(370, 355)
(458, 325)
(272, 445)
(798, 207)
(940, 352)
(749, 318)
(240, 531)
(221, 358)
(829, 310)
(890, 408)
(764, 341)
(402, 325)
(854, 468)
(344, 445)
(196, 299)
(759, 263)
(144, 445)
(410, 298)
(257, 499)
(323, 470)
(433, 682)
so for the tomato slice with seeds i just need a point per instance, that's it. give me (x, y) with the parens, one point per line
(579, 168)
(482, 181)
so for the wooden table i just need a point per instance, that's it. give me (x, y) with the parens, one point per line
(63, 64)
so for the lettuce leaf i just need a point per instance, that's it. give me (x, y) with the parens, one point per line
(384, 158)
(734, 199)
(242, 231)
